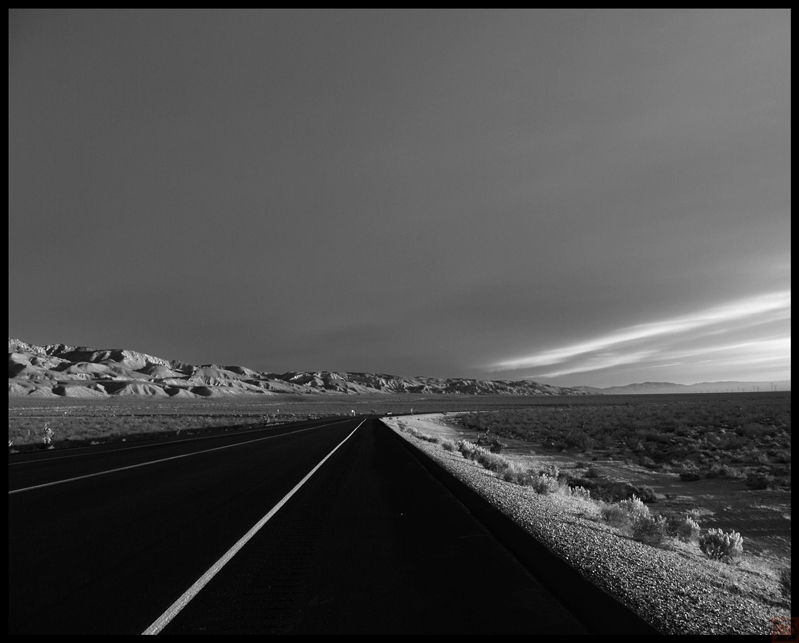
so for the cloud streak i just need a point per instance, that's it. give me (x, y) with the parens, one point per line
(663, 340)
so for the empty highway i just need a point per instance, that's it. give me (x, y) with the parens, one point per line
(230, 534)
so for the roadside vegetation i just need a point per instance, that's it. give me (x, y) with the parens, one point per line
(631, 515)
(745, 437)
(81, 421)
(624, 507)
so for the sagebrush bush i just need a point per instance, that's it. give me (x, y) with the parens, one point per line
(614, 515)
(492, 461)
(422, 436)
(682, 527)
(581, 493)
(759, 481)
(496, 447)
(448, 445)
(649, 530)
(728, 471)
(646, 494)
(544, 484)
(466, 448)
(717, 545)
(488, 460)
(551, 470)
(517, 475)
(634, 508)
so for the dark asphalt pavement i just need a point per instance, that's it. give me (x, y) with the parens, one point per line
(372, 543)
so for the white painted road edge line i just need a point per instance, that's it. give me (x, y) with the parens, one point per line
(190, 593)
(174, 457)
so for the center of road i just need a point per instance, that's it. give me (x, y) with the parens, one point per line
(190, 593)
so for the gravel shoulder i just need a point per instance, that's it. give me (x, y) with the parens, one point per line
(676, 589)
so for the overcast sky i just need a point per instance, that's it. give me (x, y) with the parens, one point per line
(575, 197)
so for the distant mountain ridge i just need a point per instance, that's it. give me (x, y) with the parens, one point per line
(642, 388)
(61, 370)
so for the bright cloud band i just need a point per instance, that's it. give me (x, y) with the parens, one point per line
(661, 340)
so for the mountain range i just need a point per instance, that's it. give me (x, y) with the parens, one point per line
(60, 370)
(702, 387)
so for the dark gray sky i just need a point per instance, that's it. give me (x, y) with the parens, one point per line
(577, 197)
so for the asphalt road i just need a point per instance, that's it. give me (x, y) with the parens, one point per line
(370, 543)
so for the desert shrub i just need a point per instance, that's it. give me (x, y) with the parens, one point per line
(622, 490)
(682, 527)
(758, 481)
(579, 440)
(544, 484)
(752, 430)
(581, 493)
(448, 445)
(492, 461)
(517, 475)
(649, 530)
(609, 491)
(551, 470)
(577, 481)
(614, 515)
(728, 471)
(781, 457)
(646, 494)
(593, 472)
(466, 448)
(634, 508)
(780, 470)
(762, 458)
(633, 515)
(616, 490)
(785, 582)
(717, 545)
(421, 436)
(689, 475)
(649, 463)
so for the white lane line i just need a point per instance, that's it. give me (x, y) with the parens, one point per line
(190, 593)
(174, 457)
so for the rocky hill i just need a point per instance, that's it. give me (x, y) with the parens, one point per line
(81, 371)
